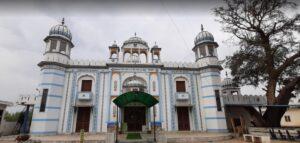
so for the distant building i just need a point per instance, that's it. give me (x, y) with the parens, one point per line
(78, 94)
(291, 117)
(3, 105)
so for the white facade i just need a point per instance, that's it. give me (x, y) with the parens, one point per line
(129, 66)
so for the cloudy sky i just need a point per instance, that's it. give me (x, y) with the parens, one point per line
(94, 26)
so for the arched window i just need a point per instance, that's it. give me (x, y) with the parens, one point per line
(202, 52)
(211, 50)
(153, 86)
(86, 85)
(180, 86)
(63, 46)
(115, 85)
(53, 45)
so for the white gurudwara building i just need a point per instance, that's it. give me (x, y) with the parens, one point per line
(79, 94)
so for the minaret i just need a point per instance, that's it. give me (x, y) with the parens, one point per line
(155, 54)
(205, 48)
(58, 43)
(46, 118)
(210, 82)
(114, 52)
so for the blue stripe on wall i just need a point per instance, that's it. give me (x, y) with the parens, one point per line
(212, 75)
(48, 107)
(45, 120)
(208, 107)
(215, 118)
(158, 123)
(53, 95)
(209, 96)
(54, 73)
(51, 84)
(43, 132)
(213, 85)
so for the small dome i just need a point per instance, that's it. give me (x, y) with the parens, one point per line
(61, 30)
(227, 82)
(203, 36)
(135, 40)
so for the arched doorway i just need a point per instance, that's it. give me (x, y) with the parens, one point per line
(135, 104)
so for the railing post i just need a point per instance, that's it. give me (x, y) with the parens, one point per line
(154, 128)
(117, 128)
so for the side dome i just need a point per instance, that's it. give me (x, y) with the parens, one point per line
(203, 36)
(61, 30)
(227, 82)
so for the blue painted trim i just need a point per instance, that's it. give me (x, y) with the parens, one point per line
(54, 73)
(208, 96)
(194, 102)
(217, 130)
(72, 98)
(212, 75)
(213, 85)
(209, 107)
(47, 107)
(43, 132)
(160, 95)
(53, 95)
(45, 120)
(209, 73)
(95, 108)
(158, 123)
(215, 118)
(109, 96)
(172, 100)
(51, 84)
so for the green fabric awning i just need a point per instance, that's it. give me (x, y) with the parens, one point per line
(135, 96)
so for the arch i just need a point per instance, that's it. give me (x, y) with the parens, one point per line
(85, 77)
(134, 83)
(135, 96)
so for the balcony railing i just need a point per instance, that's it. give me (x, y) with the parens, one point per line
(182, 96)
(84, 99)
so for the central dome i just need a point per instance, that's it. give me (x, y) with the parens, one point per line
(135, 42)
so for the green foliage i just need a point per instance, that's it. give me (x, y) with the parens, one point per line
(133, 136)
(12, 117)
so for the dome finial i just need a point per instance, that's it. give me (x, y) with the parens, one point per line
(63, 21)
(201, 27)
(134, 34)
(155, 43)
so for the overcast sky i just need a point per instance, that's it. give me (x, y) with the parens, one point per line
(94, 26)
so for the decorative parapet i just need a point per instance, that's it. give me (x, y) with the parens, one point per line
(190, 64)
(87, 63)
(26, 100)
(244, 99)
(76, 62)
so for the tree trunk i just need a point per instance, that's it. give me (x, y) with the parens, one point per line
(273, 115)
(271, 88)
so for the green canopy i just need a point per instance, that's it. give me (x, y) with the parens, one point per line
(135, 96)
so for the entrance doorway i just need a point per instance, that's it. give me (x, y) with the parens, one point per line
(183, 118)
(135, 117)
(83, 119)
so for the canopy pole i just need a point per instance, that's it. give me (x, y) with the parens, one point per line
(154, 128)
(117, 128)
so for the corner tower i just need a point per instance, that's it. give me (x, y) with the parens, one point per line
(50, 101)
(210, 82)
